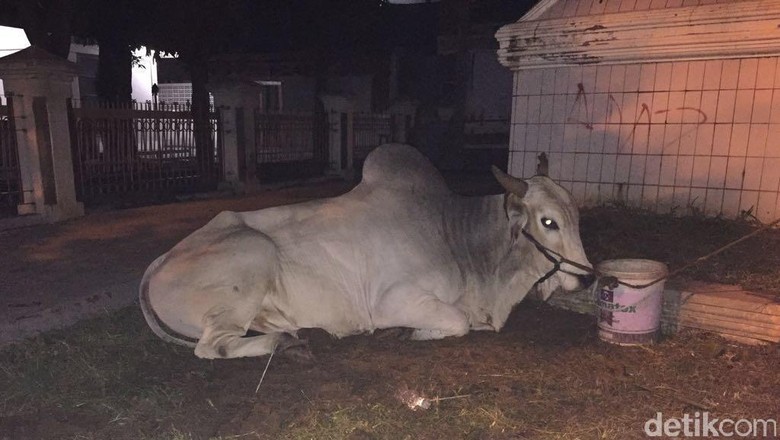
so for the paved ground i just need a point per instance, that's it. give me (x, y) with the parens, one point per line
(53, 275)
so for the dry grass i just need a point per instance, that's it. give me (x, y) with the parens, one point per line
(619, 232)
(545, 376)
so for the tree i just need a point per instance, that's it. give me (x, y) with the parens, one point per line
(112, 25)
(52, 25)
(195, 30)
(47, 23)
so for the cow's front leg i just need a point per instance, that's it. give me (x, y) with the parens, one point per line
(410, 306)
(224, 330)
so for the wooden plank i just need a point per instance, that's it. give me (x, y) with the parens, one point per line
(737, 300)
(726, 312)
(726, 324)
(746, 333)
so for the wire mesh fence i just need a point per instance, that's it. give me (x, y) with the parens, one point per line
(689, 137)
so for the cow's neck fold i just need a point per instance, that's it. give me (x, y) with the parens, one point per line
(516, 275)
(478, 232)
(503, 272)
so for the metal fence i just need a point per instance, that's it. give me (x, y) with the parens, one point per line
(124, 148)
(371, 130)
(290, 145)
(10, 178)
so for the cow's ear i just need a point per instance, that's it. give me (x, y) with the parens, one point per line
(516, 213)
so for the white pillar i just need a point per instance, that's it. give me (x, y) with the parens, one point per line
(40, 84)
(402, 110)
(237, 103)
(341, 141)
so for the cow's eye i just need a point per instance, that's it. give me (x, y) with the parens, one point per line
(549, 224)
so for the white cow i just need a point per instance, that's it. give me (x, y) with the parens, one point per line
(399, 250)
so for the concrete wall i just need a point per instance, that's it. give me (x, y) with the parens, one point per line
(695, 136)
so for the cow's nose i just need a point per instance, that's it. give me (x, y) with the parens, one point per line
(586, 280)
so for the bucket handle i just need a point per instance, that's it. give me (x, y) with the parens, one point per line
(612, 282)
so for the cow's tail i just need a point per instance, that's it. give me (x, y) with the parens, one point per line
(155, 323)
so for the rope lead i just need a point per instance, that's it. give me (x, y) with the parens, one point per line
(611, 281)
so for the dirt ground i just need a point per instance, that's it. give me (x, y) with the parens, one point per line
(545, 376)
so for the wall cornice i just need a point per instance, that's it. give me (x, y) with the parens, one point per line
(739, 29)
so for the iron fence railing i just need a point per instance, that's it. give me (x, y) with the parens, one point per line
(371, 130)
(10, 177)
(290, 144)
(140, 148)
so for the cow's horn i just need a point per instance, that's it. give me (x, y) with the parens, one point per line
(543, 167)
(511, 184)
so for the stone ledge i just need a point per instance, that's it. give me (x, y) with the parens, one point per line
(730, 311)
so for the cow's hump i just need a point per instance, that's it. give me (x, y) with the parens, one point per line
(402, 167)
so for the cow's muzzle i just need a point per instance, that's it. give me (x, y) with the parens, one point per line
(585, 279)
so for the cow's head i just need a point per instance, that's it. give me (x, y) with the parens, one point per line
(543, 217)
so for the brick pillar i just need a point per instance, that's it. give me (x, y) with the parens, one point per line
(41, 85)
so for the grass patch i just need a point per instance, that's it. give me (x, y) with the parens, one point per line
(545, 376)
(96, 369)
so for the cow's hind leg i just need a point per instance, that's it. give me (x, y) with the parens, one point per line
(224, 336)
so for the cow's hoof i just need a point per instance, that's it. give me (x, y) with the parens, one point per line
(400, 333)
(295, 349)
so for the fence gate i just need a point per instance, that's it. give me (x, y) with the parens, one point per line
(10, 177)
(290, 145)
(130, 148)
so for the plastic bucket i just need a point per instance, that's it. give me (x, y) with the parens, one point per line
(629, 316)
